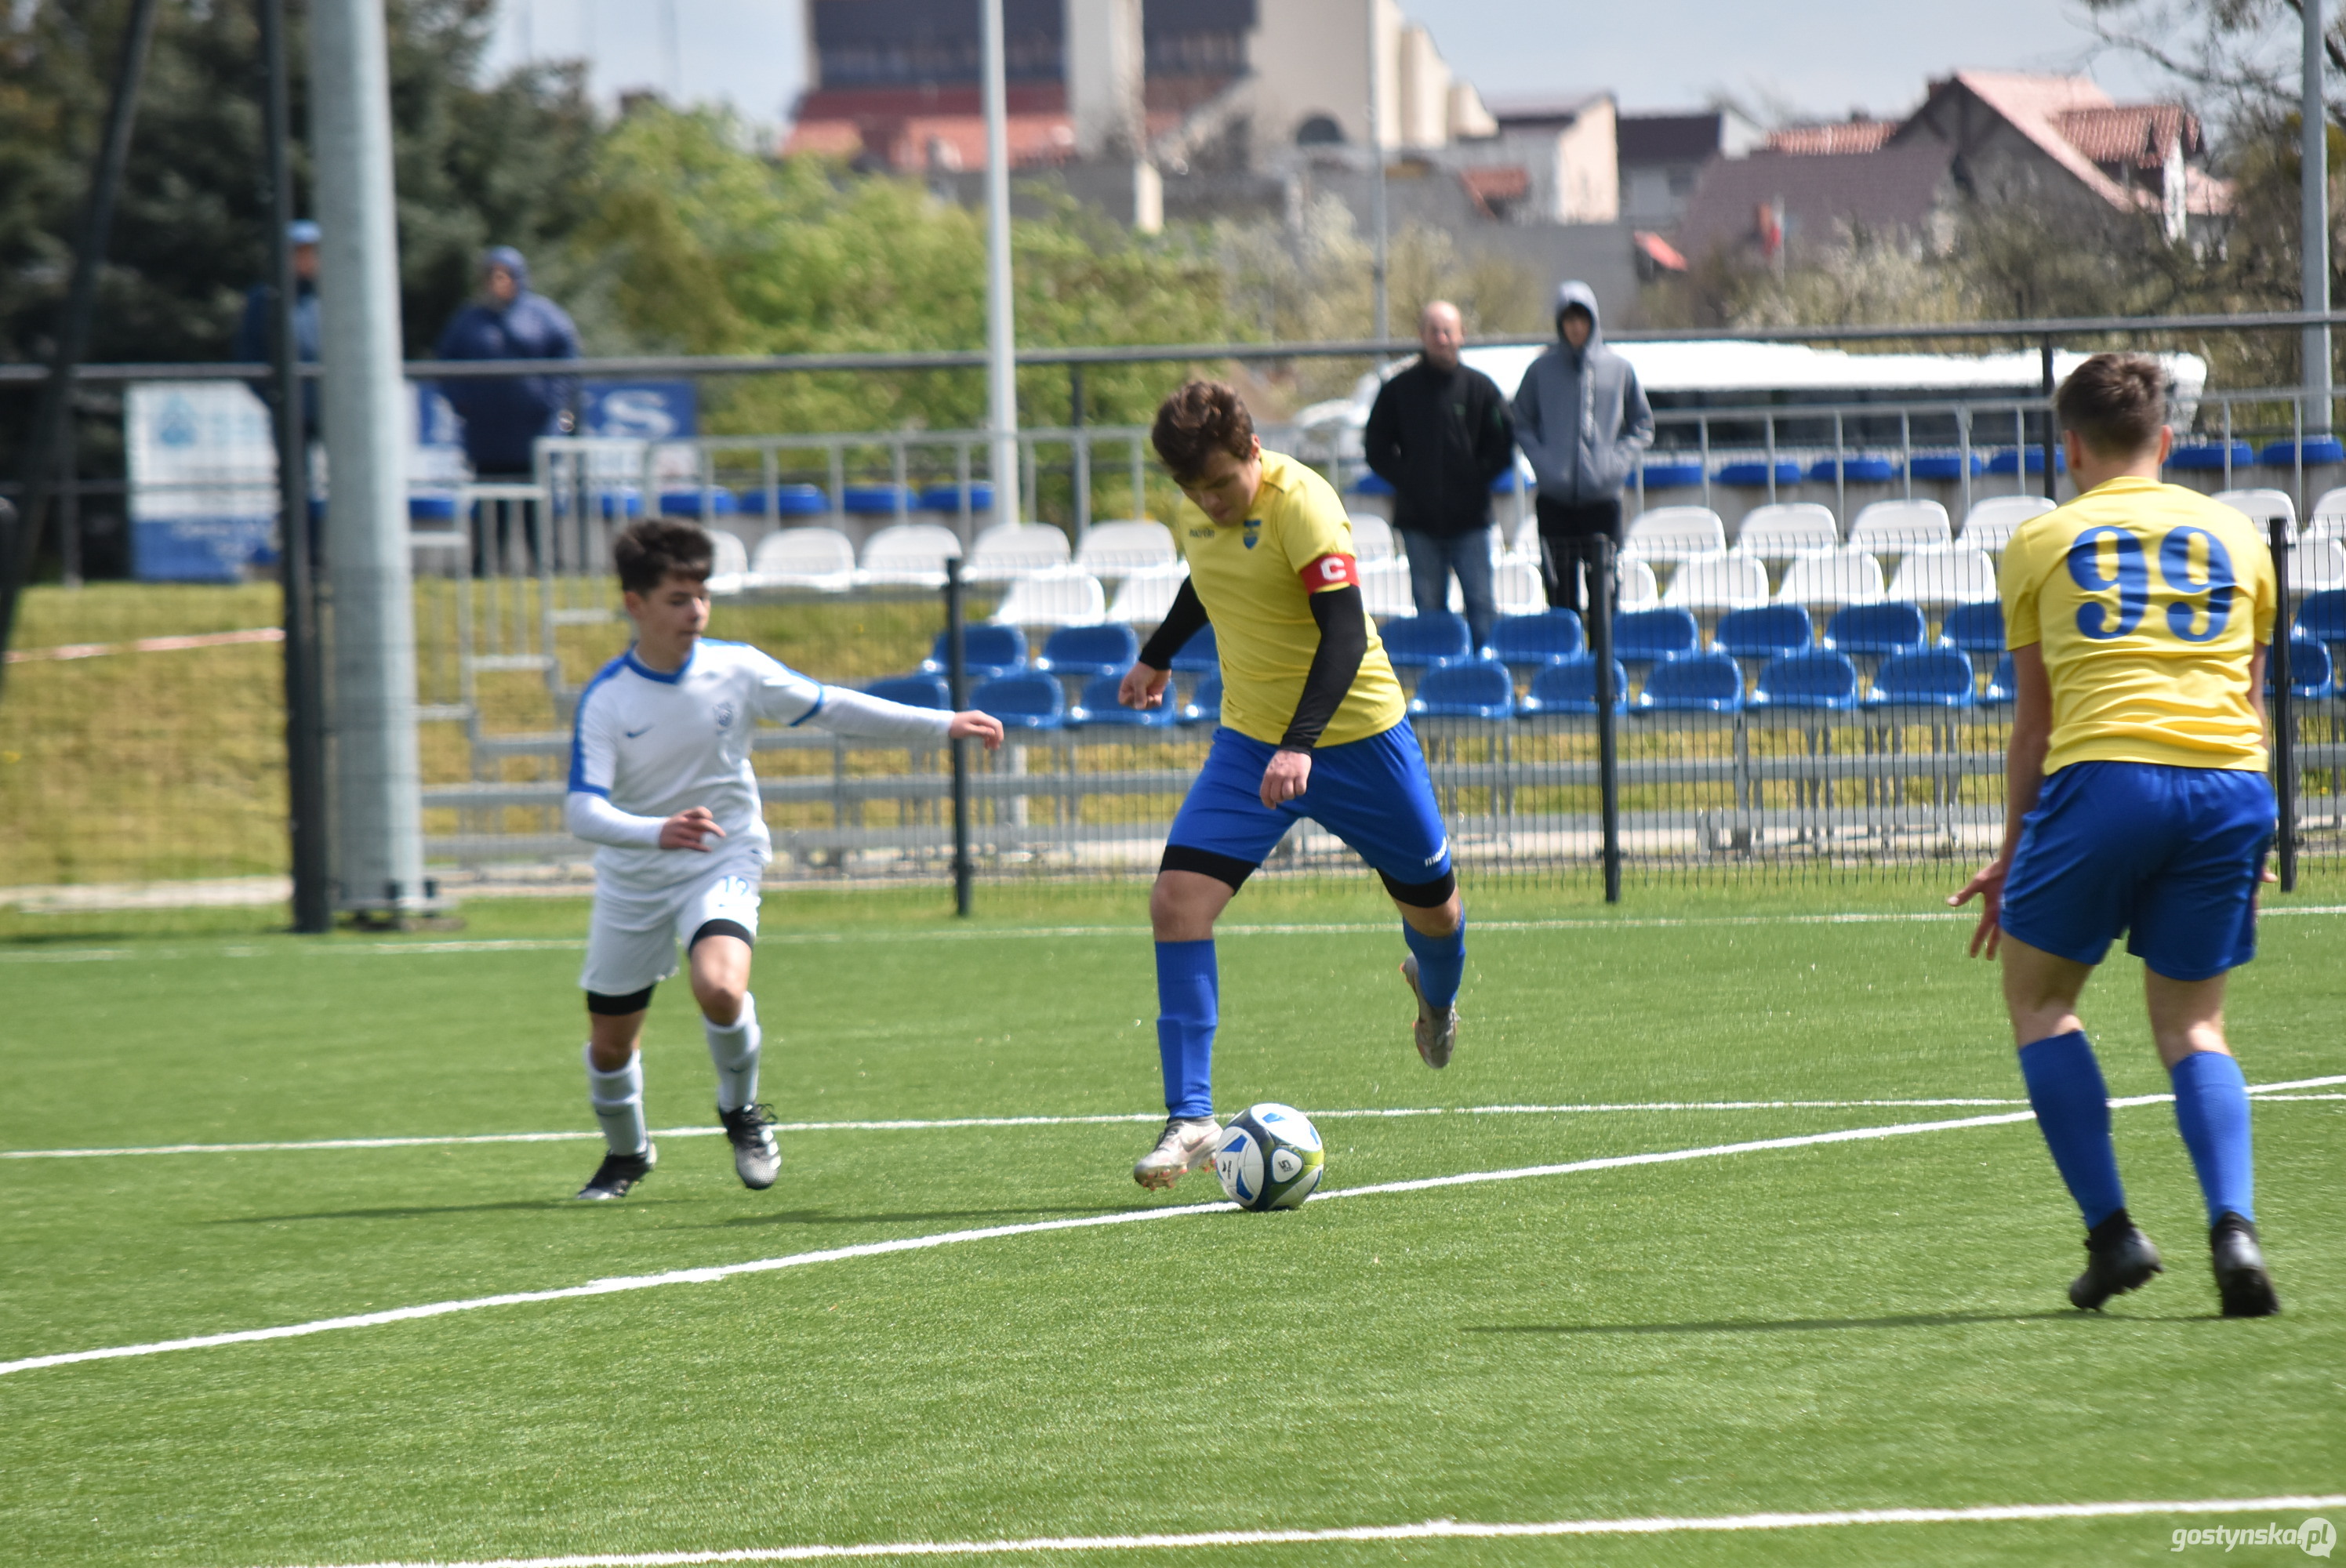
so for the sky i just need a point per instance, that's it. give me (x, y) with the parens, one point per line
(1823, 56)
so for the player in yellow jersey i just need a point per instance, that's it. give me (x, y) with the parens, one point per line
(2137, 801)
(1313, 725)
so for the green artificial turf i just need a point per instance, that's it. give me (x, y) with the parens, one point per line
(1859, 1325)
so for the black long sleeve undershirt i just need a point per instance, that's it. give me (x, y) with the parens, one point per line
(1183, 620)
(1343, 644)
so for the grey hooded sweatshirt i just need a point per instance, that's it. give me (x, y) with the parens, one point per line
(1580, 415)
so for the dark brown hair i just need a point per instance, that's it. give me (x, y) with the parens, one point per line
(1202, 418)
(648, 552)
(2115, 403)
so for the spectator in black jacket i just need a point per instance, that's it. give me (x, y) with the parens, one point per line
(1440, 434)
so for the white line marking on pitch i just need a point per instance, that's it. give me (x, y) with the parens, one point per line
(709, 1275)
(2267, 1091)
(1431, 1530)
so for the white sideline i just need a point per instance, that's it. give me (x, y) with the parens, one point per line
(1431, 1530)
(920, 1243)
(901, 1124)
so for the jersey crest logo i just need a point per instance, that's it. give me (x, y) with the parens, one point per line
(1253, 532)
(724, 716)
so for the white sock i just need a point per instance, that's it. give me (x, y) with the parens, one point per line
(618, 1101)
(733, 1049)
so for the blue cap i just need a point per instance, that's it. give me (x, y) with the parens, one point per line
(302, 232)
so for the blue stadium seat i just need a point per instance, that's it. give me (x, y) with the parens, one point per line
(988, 649)
(1508, 483)
(1942, 464)
(2002, 686)
(1022, 701)
(1815, 679)
(1421, 642)
(876, 500)
(2312, 675)
(1646, 636)
(1876, 629)
(2209, 456)
(1694, 683)
(913, 690)
(1569, 685)
(2322, 616)
(1932, 678)
(1200, 655)
(429, 508)
(1855, 470)
(1098, 707)
(947, 497)
(1205, 703)
(2008, 462)
(1531, 641)
(2319, 449)
(1465, 689)
(1372, 483)
(1762, 633)
(1755, 474)
(800, 501)
(722, 502)
(1974, 629)
(1672, 475)
(1089, 651)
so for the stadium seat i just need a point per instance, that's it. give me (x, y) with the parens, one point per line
(1205, 703)
(2033, 460)
(2312, 672)
(1421, 642)
(432, 507)
(804, 558)
(1897, 527)
(2002, 687)
(2209, 457)
(1727, 581)
(2326, 518)
(1465, 689)
(913, 690)
(1372, 483)
(1122, 549)
(1991, 524)
(1648, 637)
(1372, 538)
(1675, 534)
(1761, 633)
(1952, 574)
(2261, 507)
(1108, 649)
(2322, 616)
(1024, 700)
(720, 501)
(1944, 464)
(908, 555)
(875, 500)
(1384, 588)
(1098, 707)
(947, 497)
(1853, 470)
(1199, 655)
(1009, 551)
(1144, 597)
(1634, 587)
(2320, 450)
(1516, 589)
(1787, 529)
(1569, 685)
(1825, 581)
(1932, 677)
(2317, 566)
(1876, 630)
(1679, 476)
(1754, 475)
(1694, 683)
(989, 650)
(1816, 679)
(1528, 642)
(1974, 629)
(732, 556)
(790, 501)
(1064, 597)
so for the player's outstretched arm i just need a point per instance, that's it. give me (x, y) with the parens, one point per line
(971, 724)
(2024, 779)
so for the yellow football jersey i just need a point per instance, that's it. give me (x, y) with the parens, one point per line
(2149, 600)
(1250, 577)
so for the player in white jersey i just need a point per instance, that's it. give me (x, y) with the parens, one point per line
(661, 778)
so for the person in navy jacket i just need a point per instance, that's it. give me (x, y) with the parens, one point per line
(503, 416)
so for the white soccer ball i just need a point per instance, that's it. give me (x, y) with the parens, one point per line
(1269, 1157)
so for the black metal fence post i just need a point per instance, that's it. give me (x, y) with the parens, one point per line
(2283, 707)
(1608, 761)
(2052, 474)
(957, 682)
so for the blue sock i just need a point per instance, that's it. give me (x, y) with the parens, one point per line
(2211, 1107)
(2073, 1112)
(1441, 962)
(1188, 1006)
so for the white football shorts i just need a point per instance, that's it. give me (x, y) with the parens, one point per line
(632, 937)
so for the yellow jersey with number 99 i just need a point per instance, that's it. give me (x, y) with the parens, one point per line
(2149, 600)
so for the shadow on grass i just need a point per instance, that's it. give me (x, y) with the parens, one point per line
(425, 1211)
(1799, 1325)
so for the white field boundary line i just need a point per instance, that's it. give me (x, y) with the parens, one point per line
(147, 644)
(709, 1275)
(1017, 933)
(1431, 1530)
(2260, 1091)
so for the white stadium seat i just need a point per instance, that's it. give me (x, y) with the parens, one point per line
(1787, 529)
(1372, 537)
(1725, 581)
(1008, 551)
(911, 554)
(2328, 518)
(1064, 597)
(1675, 534)
(1935, 579)
(803, 558)
(1144, 597)
(2261, 507)
(2317, 564)
(1384, 587)
(1634, 587)
(1992, 523)
(1842, 577)
(1122, 548)
(729, 572)
(1894, 527)
(1517, 587)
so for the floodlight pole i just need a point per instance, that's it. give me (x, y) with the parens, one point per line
(2313, 222)
(1001, 341)
(957, 688)
(1378, 269)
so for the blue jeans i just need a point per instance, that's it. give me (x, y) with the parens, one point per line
(1433, 556)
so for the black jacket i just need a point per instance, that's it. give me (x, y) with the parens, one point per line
(1440, 439)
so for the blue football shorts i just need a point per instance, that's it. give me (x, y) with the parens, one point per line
(1373, 794)
(2170, 856)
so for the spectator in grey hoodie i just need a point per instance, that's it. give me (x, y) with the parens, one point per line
(1582, 419)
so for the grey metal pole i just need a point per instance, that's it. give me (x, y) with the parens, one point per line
(2284, 712)
(1377, 181)
(305, 695)
(1001, 333)
(2052, 461)
(2313, 218)
(377, 796)
(957, 683)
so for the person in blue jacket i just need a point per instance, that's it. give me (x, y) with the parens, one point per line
(503, 416)
(256, 331)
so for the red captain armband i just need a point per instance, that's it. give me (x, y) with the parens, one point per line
(1330, 572)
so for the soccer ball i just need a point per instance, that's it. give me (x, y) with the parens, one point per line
(1269, 1158)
